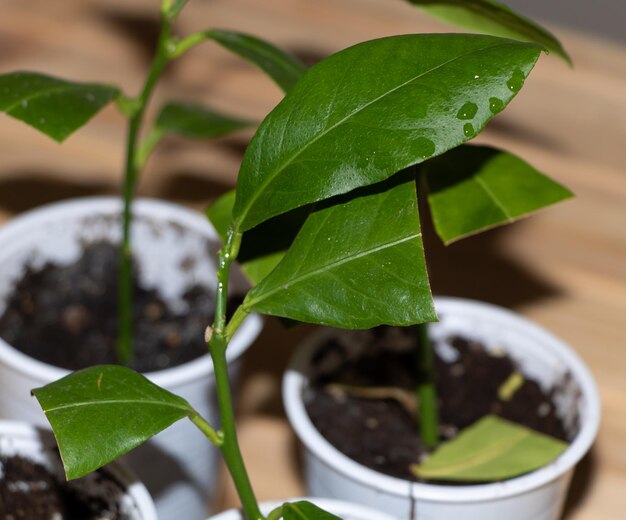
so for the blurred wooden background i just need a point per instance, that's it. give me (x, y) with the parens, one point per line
(565, 268)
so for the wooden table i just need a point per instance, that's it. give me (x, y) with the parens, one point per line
(565, 268)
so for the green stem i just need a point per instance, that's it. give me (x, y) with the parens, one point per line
(125, 296)
(426, 390)
(216, 437)
(191, 41)
(235, 322)
(147, 146)
(276, 514)
(170, 9)
(217, 347)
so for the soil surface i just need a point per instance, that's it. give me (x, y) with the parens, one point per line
(67, 316)
(28, 491)
(383, 432)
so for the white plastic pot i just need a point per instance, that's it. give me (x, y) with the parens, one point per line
(39, 446)
(179, 466)
(345, 510)
(537, 496)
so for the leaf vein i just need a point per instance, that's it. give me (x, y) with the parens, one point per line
(329, 266)
(116, 401)
(53, 90)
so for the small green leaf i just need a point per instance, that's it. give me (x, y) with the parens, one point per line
(284, 68)
(491, 449)
(197, 122)
(473, 188)
(102, 412)
(53, 106)
(489, 17)
(512, 384)
(172, 8)
(263, 247)
(349, 267)
(305, 511)
(369, 111)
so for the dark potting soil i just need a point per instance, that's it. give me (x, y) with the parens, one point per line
(28, 491)
(376, 430)
(67, 316)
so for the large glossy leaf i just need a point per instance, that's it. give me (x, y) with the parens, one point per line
(305, 511)
(494, 18)
(53, 106)
(473, 188)
(197, 122)
(357, 262)
(284, 68)
(264, 246)
(369, 111)
(492, 449)
(102, 412)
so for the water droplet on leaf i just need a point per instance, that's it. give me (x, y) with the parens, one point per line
(468, 130)
(496, 105)
(427, 147)
(516, 81)
(467, 111)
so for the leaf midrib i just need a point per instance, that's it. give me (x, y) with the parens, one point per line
(479, 459)
(117, 401)
(269, 178)
(296, 510)
(329, 267)
(55, 90)
(485, 187)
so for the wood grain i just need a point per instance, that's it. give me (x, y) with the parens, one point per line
(565, 268)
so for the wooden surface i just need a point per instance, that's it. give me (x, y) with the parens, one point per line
(565, 268)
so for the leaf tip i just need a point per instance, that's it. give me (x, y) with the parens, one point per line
(416, 470)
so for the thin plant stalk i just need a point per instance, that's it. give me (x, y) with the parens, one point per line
(218, 343)
(137, 108)
(426, 390)
(226, 439)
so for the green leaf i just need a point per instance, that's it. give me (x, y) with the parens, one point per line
(197, 122)
(284, 68)
(473, 188)
(489, 17)
(357, 262)
(53, 106)
(369, 111)
(102, 412)
(263, 247)
(305, 511)
(513, 383)
(491, 449)
(172, 8)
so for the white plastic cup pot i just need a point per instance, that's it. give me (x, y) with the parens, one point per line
(39, 446)
(179, 466)
(345, 510)
(536, 496)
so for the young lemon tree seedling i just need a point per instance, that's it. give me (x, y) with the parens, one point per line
(324, 218)
(58, 108)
